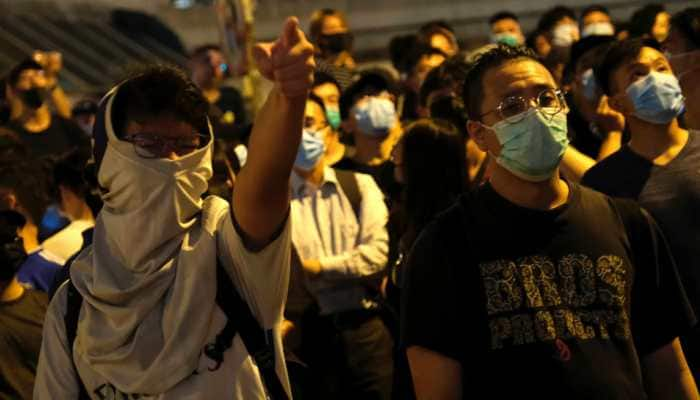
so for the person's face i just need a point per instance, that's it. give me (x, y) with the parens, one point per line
(164, 137)
(506, 25)
(332, 25)
(595, 17)
(569, 21)
(661, 26)
(329, 93)
(209, 68)
(71, 203)
(443, 43)
(425, 65)
(648, 60)
(524, 78)
(542, 45)
(28, 79)
(676, 43)
(314, 117)
(585, 106)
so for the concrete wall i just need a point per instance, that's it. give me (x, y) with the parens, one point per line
(374, 21)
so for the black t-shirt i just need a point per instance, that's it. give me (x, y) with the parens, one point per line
(21, 324)
(671, 193)
(61, 137)
(543, 304)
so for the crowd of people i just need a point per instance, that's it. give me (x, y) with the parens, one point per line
(515, 220)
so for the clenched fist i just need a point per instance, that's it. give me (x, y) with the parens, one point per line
(288, 61)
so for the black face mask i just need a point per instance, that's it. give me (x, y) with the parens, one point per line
(336, 43)
(34, 98)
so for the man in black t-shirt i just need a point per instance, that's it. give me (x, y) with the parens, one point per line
(659, 166)
(44, 134)
(534, 287)
(21, 316)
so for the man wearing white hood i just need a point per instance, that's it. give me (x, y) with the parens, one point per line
(150, 311)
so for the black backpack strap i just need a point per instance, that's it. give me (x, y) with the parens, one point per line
(74, 301)
(348, 182)
(258, 342)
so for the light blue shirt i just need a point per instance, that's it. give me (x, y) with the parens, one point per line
(349, 247)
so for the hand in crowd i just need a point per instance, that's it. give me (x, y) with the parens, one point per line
(608, 119)
(288, 61)
(52, 61)
(311, 267)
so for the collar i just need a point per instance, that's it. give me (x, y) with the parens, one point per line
(301, 186)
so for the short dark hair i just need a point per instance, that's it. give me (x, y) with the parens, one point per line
(399, 47)
(687, 22)
(24, 65)
(435, 171)
(317, 17)
(501, 15)
(642, 21)
(30, 183)
(317, 100)
(74, 171)
(552, 16)
(473, 91)
(202, 50)
(618, 54)
(594, 8)
(435, 26)
(322, 77)
(597, 43)
(159, 90)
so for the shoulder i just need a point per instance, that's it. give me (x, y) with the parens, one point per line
(609, 168)
(214, 210)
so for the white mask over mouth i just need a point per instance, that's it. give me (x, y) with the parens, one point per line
(130, 331)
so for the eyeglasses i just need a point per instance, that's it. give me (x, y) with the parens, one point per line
(150, 145)
(512, 109)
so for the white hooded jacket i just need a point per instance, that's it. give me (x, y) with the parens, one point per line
(149, 284)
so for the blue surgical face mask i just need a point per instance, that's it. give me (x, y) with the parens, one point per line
(333, 117)
(375, 117)
(657, 98)
(506, 38)
(590, 88)
(532, 148)
(310, 151)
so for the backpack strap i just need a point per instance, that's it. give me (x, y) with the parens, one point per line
(239, 319)
(348, 182)
(74, 303)
(258, 342)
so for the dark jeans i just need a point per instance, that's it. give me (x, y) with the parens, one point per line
(353, 357)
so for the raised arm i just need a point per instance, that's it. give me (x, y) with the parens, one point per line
(261, 197)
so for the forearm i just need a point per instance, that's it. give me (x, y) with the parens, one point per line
(61, 102)
(574, 164)
(365, 260)
(261, 198)
(667, 375)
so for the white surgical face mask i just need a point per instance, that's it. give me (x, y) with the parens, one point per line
(564, 35)
(598, 29)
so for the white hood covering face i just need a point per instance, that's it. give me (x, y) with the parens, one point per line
(134, 301)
